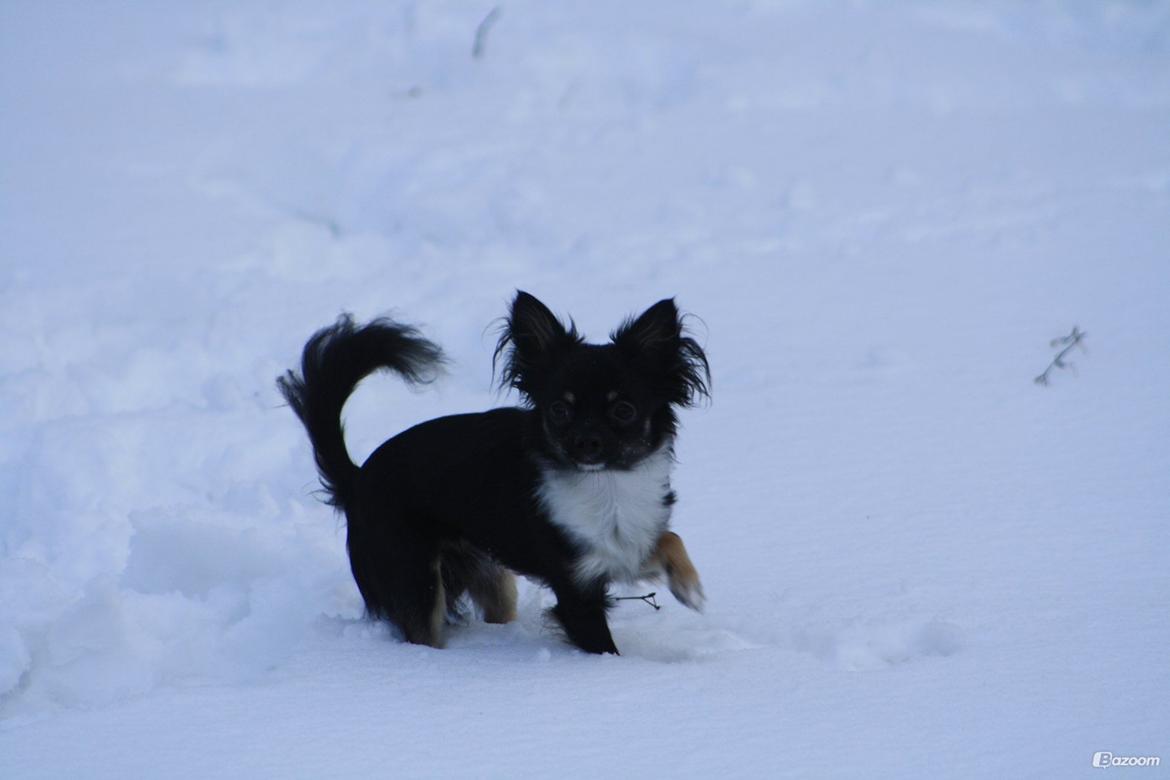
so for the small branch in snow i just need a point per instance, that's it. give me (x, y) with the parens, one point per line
(320, 220)
(648, 598)
(1067, 343)
(481, 33)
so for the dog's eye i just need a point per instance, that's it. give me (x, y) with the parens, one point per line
(559, 412)
(623, 412)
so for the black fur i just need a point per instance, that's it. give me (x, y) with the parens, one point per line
(438, 508)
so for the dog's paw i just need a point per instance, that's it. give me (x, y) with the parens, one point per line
(687, 589)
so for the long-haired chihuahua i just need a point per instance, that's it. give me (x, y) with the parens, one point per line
(571, 489)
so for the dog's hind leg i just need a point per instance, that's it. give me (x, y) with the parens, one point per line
(398, 574)
(491, 586)
(422, 618)
(493, 589)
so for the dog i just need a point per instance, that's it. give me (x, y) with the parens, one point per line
(572, 488)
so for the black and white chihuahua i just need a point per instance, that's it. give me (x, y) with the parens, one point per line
(572, 489)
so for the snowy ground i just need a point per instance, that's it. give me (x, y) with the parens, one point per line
(918, 562)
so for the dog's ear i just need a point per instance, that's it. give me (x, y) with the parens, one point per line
(657, 339)
(535, 330)
(531, 341)
(655, 330)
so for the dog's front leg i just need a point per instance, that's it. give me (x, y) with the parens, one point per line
(582, 616)
(670, 556)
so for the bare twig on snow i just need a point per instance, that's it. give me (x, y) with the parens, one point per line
(648, 598)
(481, 33)
(1067, 343)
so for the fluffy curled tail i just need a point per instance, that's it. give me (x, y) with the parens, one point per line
(335, 359)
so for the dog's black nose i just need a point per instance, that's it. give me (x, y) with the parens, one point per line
(587, 446)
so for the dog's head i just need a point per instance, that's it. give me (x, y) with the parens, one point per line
(602, 405)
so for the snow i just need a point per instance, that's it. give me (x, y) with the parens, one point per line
(918, 563)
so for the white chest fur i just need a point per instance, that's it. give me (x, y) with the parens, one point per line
(617, 516)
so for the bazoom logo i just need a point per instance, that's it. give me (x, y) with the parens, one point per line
(1104, 758)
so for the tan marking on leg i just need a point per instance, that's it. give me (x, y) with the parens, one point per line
(496, 596)
(681, 575)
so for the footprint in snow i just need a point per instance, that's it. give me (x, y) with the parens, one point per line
(859, 647)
